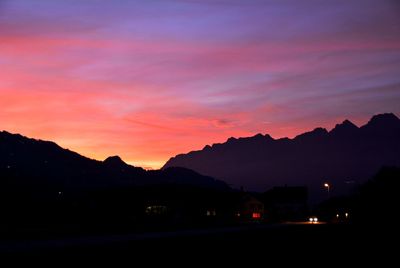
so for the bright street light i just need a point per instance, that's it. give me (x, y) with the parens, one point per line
(327, 186)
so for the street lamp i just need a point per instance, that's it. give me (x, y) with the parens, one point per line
(327, 186)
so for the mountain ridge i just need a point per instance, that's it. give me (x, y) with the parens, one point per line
(345, 122)
(33, 163)
(310, 158)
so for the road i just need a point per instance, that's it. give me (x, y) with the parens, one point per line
(243, 242)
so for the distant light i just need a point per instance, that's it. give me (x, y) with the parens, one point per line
(337, 215)
(238, 214)
(315, 219)
(326, 185)
(156, 210)
(211, 213)
(346, 214)
(311, 219)
(256, 215)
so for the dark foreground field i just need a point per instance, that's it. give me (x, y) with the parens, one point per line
(252, 244)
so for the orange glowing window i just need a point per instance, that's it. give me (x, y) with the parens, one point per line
(256, 215)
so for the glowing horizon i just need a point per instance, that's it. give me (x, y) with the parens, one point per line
(153, 165)
(147, 80)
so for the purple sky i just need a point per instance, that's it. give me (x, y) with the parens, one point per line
(150, 79)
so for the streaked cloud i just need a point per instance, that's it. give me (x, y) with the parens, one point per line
(150, 79)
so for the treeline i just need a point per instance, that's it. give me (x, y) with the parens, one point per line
(373, 203)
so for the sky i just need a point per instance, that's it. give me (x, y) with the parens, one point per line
(150, 79)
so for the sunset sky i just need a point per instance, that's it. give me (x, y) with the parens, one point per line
(149, 79)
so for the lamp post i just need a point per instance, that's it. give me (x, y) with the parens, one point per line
(327, 186)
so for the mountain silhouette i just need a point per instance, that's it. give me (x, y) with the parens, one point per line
(345, 129)
(343, 157)
(35, 164)
(115, 161)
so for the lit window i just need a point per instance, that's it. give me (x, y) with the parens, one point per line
(211, 212)
(156, 210)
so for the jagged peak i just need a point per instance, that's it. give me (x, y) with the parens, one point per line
(231, 139)
(262, 137)
(345, 126)
(114, 160)
(384, 118)
(347, 123)
(319, 131)
(268, 137)
(257, 137)
(207, 147)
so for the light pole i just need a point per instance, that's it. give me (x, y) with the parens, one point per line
(327, 186)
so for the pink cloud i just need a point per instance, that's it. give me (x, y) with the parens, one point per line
(148, 88)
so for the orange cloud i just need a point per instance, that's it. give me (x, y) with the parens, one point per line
(150, 85)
